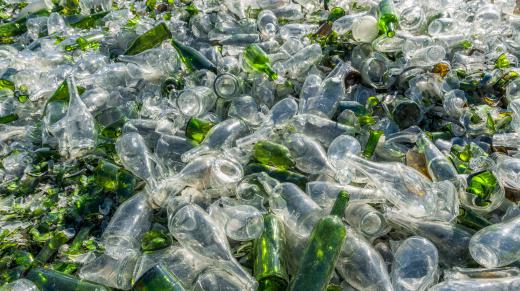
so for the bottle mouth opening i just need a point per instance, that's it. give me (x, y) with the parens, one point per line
(226, 86)
(189, 104)
(226, 171)
(372, 223)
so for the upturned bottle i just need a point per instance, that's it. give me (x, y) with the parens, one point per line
(273, 154)
(131, 220)
(80, 131)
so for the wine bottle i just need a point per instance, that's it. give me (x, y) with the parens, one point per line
(269, 262)
(323, 249)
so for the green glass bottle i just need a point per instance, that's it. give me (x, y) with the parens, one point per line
(85, 21)
(192, 58)
(51, 247)
(373, 139)
(471, 219)
(150, 39)
(154, 240)
(50, 280)
(158, 278)
(5, 119)
(258, 61)
(126, 182)
(70, 7)
(106, 175)
(82, 236)
(173, 85)
(388, 20)
(483, 185)
(197, 128)
(62, 93)
(323, 248)
(6, 85)
(19, 26)
(85, 42)
(13, 28)
(6, 80)
(273, 154)
(278, 174)
(363, 114)
(269, 250)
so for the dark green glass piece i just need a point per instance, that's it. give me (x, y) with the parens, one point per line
(273, 154)
(373, 139)
(197, 128)
(85, 21)
(388, 20)
(258, 60)
(150, 39)
(158, 278)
